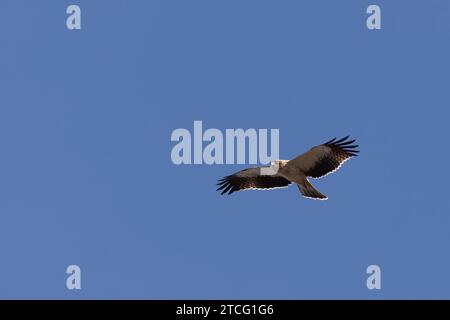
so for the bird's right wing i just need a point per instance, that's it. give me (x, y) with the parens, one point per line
(251, 179)
(325, 158)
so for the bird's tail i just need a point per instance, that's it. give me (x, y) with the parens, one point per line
(308, 191)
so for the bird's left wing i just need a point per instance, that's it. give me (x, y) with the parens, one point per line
(251, 179)
(325, 158)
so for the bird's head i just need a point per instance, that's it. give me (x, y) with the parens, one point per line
(275, 166)
(278, 164)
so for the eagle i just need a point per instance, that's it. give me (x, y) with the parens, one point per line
(316, 163)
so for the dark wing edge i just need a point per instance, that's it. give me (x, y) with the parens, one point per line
(233, 183)
(341, 151)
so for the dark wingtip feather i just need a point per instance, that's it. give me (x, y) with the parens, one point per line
(340, 140)
(353, 153)
(346, 146)
(330, 141)
(227, 189)
(221, 187)
(344, 143)
(223, 184)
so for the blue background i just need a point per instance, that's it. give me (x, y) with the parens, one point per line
(86, 176)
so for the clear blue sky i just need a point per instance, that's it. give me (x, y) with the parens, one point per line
(86, 176)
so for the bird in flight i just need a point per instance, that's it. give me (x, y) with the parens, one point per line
(318, 162)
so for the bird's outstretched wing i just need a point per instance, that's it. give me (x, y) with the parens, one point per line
(325, 158)
(251, 179)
